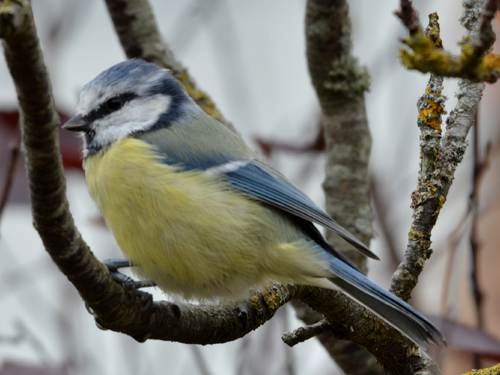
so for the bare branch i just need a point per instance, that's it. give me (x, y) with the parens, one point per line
(439, 160)
(136, 27)
(349, 321)
(431, 107)
(9, 178)
(381, 204)
(351, 357)
(302, 334)
(340, 84)
(409, 16)
(480, 167)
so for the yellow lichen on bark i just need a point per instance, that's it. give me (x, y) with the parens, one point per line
(426, 57)
(495, 370)
(490, 62)
(432, 114)
(200, 98)
(442, 200)
(272, 299)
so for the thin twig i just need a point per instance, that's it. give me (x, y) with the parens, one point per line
(200, 360)
(409, 16)
(453, 241)
(381, 212)
(486, 36)
(468, 220)
(317, 145)
(11, 171)
(474, 245)
(140, 37)
(480, 167)
(302, 334)
(348, 355)
(24, 336)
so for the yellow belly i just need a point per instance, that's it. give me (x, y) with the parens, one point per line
(188, 232)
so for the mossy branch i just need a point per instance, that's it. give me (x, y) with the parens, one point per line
(474, 63)
(440, 157)
(139, 35)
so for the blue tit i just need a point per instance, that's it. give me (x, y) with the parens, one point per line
(198, 211)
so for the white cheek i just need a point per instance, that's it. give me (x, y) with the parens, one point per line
(136, 115)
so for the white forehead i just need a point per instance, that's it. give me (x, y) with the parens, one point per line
(133, 76)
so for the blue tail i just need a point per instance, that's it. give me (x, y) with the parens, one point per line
(387, 306)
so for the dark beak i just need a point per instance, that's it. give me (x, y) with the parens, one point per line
(77, 124)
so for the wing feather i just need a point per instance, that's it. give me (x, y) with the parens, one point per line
(262, 183)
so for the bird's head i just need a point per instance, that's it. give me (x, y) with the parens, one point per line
(130, 97)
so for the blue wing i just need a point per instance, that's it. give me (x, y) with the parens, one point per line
(266, 185)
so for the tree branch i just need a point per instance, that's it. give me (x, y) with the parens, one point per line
(136, 27)
(340, 84)
(11, 171)
(302, 334)
(474, 63)
(439, 160)
(430, 107)
(350, 357)
(349, 321)
(409, 16)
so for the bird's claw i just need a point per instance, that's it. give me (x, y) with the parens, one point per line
(130, 285)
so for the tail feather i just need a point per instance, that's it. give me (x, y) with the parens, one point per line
(393, 310)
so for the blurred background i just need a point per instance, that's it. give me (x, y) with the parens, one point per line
(250, 57)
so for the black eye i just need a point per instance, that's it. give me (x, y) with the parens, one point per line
(114, 104)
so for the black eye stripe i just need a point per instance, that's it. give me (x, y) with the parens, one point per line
(105, 108)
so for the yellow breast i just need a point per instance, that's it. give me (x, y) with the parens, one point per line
(187, 231)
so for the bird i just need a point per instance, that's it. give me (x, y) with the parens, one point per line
(199, 212)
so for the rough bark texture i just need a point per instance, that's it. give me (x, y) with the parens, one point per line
(439, 160)
(396, 353)
(340, 84)
(136, 27)
(353, 359)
